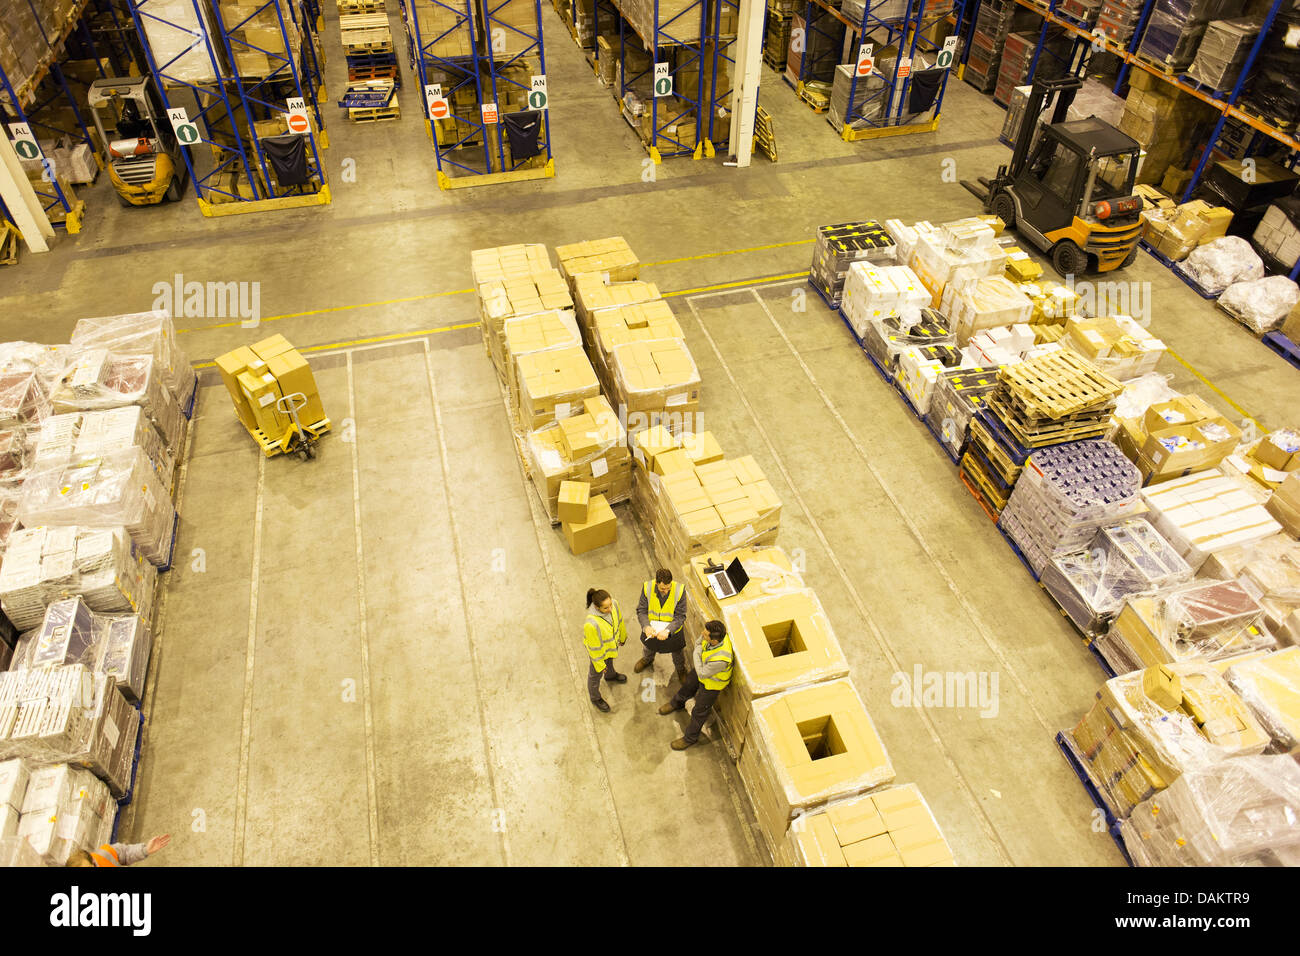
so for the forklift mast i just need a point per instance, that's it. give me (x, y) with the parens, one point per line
(1064, 89)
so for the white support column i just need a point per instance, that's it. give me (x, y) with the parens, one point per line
(744, 95)
(21, 200)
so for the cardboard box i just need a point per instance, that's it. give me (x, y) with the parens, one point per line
(294, 376)
(1279, 450)
(230, 366)
(1284, 504)
(808, 747)
(271, 346)
(574, 501)
(701, 447)
(261, 392)
(893, 827)
(600, 528)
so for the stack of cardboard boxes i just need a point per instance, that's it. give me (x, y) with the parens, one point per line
(257, 39)
(1176, 232)
(1116, 344)
(1284, 504)
(592, 295)
(610, 258)
(258, 376)
(63, 808)
(514, 281)
(972, 305)
(892, 827)
(1271, 459)
(612, 326)
(1163, 121)
(587, 448)
(1150, 726)
(1176, 438)
(1206, 512)
(957, 251)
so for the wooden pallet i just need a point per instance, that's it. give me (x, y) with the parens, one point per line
(354, 7)
(374, 114)
(1284, 347)
(764, 133)
(994, 498)
(9, 244)
(365, 33)
(1050, 433)
(359, 74)
(1058, 385)
(818, 101)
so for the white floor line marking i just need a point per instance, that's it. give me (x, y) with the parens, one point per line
(747, 288)
(725, 762)
(156, 626)
(971, 611)
(246, 731)
(372, 773)
(985, 824)
(484, 729)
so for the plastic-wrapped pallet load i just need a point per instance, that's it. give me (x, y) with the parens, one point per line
(553, 383)
(512, 281)
(919, 368)
(984, 303)
(101, 565)
(884, 339)
(1148, 727)
(1270, 571)
(143, 333)
(612, 259)
(66, 809)
(1065, 493)
(1223, 51)
(118, 488)
(841, 245)
(893, 827)
(805, 748)
(1200, 620)
(1239, 812)
(1001, 345)
(534, 333)
(1222, 262)
(1277, 232)
(1261, 304)
(958, 251)
(98, 379)
(623, 324)
(768, 571)
(123, 655)
(958, 394)
(873, 293)
(781, 641)
(589, 447)
(1175, 29)
(591, 293)
(1116, 344)
(1270, 686)
(657, 382)
(1206, 512)
(1092, 584)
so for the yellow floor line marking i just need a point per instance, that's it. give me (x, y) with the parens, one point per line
(331, 308)
(731, 252)
(742, 284)
(1218, 391)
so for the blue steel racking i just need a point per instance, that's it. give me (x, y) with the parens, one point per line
(1223, 101)
(232, 100)
(452, 51)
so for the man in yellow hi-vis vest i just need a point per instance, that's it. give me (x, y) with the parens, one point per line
(662, 615)
(713, 664)
(603, 633)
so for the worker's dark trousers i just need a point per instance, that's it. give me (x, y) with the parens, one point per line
(593, 678)
(704, 698)
(673, 644)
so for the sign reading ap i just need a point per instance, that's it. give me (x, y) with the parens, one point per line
(946, 56)
(186, 132)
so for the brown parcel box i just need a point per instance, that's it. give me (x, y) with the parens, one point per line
(893, 827)
(1279, 450)
(271, 346)
(293, 375)
(1284, 504)
(600, 528)
(230, 366)
(807, 747)
(781, 642)
(261, 393)
(575, 498)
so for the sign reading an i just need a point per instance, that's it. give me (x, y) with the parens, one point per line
(663, 80)
(537, 97)
(25, 144)
(186, 132)
(866, 62)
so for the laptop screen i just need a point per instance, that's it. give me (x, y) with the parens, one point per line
(736, 572)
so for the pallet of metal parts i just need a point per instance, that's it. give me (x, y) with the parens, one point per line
(1065, 493)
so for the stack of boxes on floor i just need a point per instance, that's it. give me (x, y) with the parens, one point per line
(259, 377)
(91, 433)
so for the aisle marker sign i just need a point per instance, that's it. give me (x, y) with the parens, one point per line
(947, 54)
(25, 144)
(866, 62)
(186, 132)
(663, 80)
(297, 120)
(438, 107)
(537, 98)
(489, 114)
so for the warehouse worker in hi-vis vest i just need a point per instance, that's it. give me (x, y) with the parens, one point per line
(662, 615)
(713, 662)
(603, 634)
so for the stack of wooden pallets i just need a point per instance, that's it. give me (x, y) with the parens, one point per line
(1054, 398)
(367, 42)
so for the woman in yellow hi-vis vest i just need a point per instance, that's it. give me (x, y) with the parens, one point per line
(603, 634)
(713, 661)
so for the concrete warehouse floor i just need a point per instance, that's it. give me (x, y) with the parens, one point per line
(379, 660)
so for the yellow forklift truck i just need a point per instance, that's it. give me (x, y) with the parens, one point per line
(1069, 186)
(144, 158)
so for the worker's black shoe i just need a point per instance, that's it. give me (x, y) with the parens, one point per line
(600, 705)
(643, 663)
(669, 708)
(615, 678)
